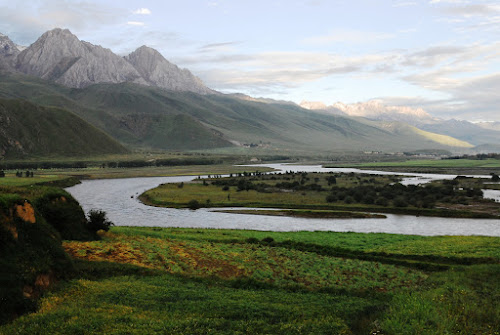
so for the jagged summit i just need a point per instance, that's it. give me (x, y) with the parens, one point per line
(8, 52)
(59, 56)
(157, 71)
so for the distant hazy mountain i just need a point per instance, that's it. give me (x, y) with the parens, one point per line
(489, 125)
(245, 97)
(374, 110)
(464, 130)
(59, 56)
(477, 134)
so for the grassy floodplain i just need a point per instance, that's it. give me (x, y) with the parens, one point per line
(11, 179)
(41, 176)
(192, 281)
(329, 192)
(445, 166)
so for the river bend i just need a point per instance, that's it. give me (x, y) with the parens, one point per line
(118, 197)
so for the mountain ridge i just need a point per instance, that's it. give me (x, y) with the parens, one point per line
(142, 116)
(60, 57)
(28, 130)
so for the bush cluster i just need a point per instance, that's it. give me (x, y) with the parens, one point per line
(399, 195)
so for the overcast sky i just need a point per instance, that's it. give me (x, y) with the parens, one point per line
(441, 55)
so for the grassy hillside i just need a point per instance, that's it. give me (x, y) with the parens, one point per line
(31, 130)
(149, 117)
(197, 281)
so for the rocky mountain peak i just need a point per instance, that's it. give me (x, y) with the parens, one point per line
(8, 54)
(8, 49)
(158, 71)
(313, 105)
(60, 56)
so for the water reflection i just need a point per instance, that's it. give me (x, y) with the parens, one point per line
(118, 197)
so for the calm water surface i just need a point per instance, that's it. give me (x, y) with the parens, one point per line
(118, 197)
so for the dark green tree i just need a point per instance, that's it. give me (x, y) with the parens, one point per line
(97, 220)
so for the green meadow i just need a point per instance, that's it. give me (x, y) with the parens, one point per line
(11, 180)
(462, 163)
(194, 281)
(446, 166)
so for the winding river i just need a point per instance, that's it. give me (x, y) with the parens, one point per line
(118, 197)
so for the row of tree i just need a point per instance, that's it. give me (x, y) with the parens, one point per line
(18, 174)
(25, 174)
(120, 164)
(478, 156)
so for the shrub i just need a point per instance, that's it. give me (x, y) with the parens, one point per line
(381, 201)
(331, 198)
(252, 240)
(193, 204)
(97, 220)
(349, 199)
(268, 239)
(400, 202)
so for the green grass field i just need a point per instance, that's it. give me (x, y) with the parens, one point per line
(434, 163)
(41, 176)
(195, 281)
(11, 180)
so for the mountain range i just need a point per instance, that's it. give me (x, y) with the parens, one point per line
(60, 57)
(487, 133)
(144, 101)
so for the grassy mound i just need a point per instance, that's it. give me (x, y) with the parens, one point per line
(64, 213)
(31, 256)
(33, 222)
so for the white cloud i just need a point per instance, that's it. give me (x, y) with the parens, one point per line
(471, 10)
(408, 31)
(25, 23)
(448, 1)
(348, 36)
(218, 47)
(142, 11)
(136, 23)
(405, 4)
